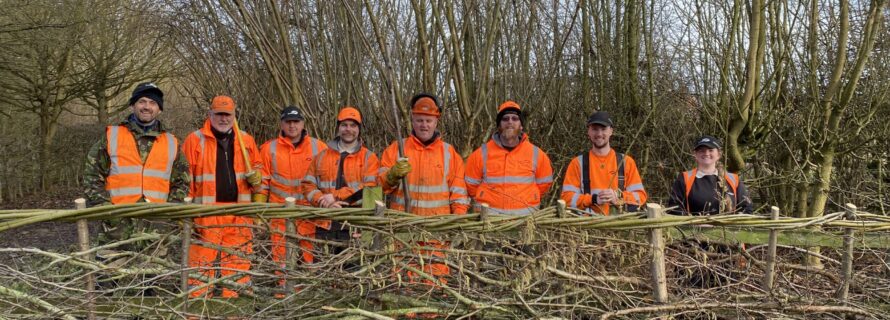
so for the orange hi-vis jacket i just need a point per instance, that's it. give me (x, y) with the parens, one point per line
(603, 175)
(129, 180)
(200, 150)
(359, 171)
(285, 165)
(436, 181)
(509, 181)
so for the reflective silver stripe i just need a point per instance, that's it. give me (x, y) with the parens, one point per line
(445, 149)
(547, 179)
(240, 176)
(244, 197)
(112, 147)
(458, 190)
(426, 204)
(462, 201)
(534, 161)
(204, 178)
(381, 170)
(264, 187)
(155, 194)
(325, 184)
(472, 181)
(354, 185)
(636, 197)
(155, 173)
(285, 194)
(115, 169)
(312, 194)
(285, 181)
(570, 188)
(574, 202)
(508, 179)
(427, 189)
(171, 153)
(635, 187)
(117, 192)
(314, 146)
(597, 191)
(311, 179)
(200, 139)
(369, 179)
(204, 199)
(273, 148)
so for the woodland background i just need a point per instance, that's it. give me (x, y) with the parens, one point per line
(798, 90)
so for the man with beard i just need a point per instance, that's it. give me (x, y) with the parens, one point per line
(434, 173)
(509, 173)
(602, 178)
(337, 176)
(286, 160)
(135, 161)
(220, 175)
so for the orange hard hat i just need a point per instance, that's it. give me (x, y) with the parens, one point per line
(222, 104)
(426, 104)
(349, 113)
(509, 104)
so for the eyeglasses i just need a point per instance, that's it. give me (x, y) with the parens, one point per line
(510, 118)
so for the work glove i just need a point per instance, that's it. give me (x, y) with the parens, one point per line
(259, 198)
(254, 178)
(398, 171)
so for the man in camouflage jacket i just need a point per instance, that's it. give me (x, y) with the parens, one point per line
(147, 102)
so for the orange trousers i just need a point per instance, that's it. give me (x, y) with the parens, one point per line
(212, 263)
(435, 269)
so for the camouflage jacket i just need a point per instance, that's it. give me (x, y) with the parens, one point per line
(98, 164)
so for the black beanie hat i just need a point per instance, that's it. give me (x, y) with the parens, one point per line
(148, 90)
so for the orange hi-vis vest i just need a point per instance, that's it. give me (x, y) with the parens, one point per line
(436, 181)
(603, 175)
(509, 181)
(200, 150)
(731, 179)
(285, 165)
(359, 171)
(129, 179)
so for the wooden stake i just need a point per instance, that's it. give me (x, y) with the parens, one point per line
(83, 237)
(290, 251)
(379, 209)
(186, 237)
(561, 208)
(656, 244)
(847, 268)
(770, 275)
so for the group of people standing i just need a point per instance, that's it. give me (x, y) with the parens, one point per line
(139, 161)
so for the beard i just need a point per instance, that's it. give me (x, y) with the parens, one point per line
(600, 145)
(510, 133)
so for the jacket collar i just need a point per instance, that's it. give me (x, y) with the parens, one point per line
(335, 145)
(496, 138)
(154, 130)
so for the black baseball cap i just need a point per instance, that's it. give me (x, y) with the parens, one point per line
(291, 113)
(707, 141)
(600, 118)
(149, 90)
